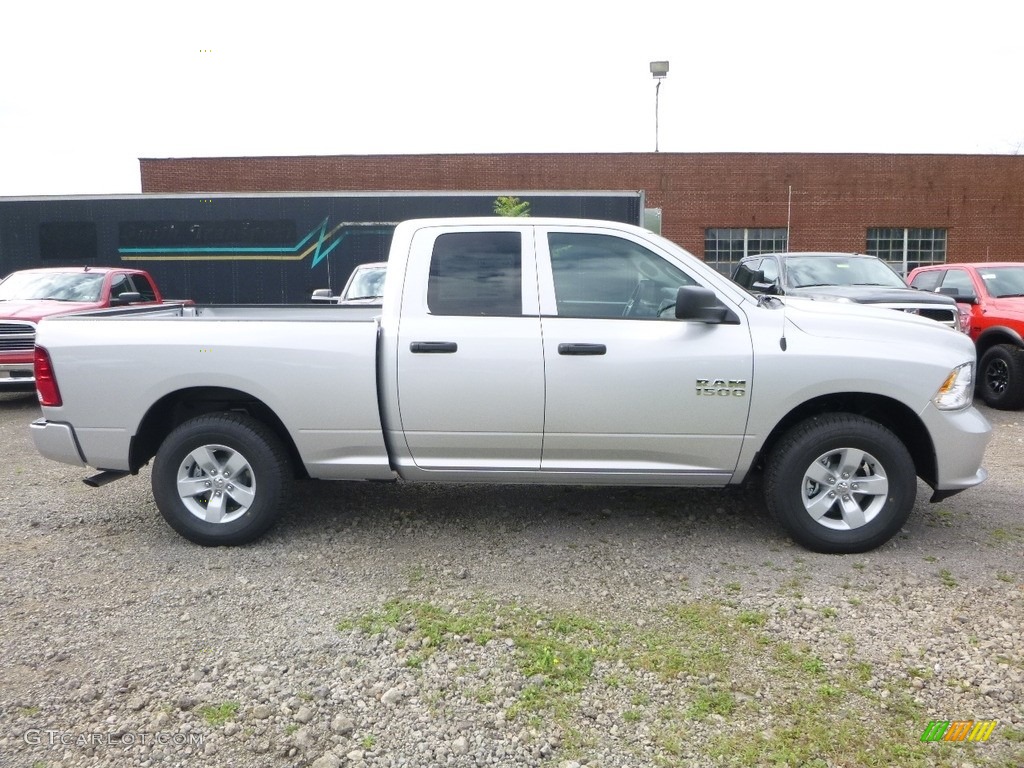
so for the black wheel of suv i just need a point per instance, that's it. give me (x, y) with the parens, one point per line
(840, 483)
(1001, 377)
(221, 479)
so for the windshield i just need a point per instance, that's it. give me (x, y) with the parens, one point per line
(1003, 282)
(58, 286)
(807, 271)
(367, 284)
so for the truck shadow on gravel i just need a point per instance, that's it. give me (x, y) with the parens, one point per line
(383, 511)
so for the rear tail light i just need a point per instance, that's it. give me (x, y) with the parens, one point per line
(46, 381)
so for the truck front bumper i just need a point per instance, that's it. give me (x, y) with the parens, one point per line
(17, 378)
(960, 438)
(57, 441)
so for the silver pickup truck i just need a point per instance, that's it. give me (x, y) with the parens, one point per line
(521, 351)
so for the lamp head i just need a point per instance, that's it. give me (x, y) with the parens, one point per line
(659, 69)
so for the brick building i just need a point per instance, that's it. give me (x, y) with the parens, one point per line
(909, 209)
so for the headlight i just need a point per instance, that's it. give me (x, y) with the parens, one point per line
(957, 391)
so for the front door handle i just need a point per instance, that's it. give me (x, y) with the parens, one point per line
(582, 349)
(433, 347)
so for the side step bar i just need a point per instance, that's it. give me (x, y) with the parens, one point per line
(107, 476)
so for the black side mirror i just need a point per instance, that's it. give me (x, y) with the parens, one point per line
(964, 297)
(764, 286)
(694, 302)
(128, 297)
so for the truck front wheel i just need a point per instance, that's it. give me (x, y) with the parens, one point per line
(840, 483)
(221, 479)
(1001, 379)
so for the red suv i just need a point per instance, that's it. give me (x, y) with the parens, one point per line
(991, 301)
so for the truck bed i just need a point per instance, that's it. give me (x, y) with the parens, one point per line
(250, 312)
(320, 378)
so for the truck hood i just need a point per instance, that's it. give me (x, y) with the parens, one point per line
(871, 294)
(857, 322)
(1011, 307)
(35, 310)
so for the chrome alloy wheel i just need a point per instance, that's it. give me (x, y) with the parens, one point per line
(844, 489)
(216, 483)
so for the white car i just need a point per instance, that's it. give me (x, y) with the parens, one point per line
(365, 286)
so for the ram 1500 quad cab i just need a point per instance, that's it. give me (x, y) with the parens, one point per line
(523, 350)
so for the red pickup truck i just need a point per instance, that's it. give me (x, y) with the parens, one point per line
(27, 296)
(991, 300)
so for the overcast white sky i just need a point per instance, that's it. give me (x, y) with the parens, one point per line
(88, 87)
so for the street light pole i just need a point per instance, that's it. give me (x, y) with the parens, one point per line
(659, 70)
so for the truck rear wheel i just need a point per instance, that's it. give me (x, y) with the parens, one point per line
(1001, 379)
(840, 483)
(221, 479)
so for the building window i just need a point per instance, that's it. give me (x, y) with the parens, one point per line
(906, 248)
(724, 247)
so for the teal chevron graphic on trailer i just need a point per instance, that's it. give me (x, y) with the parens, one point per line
(318, 242)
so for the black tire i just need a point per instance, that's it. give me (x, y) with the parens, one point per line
(807, 465)
(1001, 377)
(240, 493)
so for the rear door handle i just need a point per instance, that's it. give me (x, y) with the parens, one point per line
(582, 349)
(433, 347)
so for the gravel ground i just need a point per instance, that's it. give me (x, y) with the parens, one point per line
(385, 625)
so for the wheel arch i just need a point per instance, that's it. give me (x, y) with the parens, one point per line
(999, 334)
(178, 407)
(891, 414)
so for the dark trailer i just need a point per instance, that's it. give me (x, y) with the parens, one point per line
(257, 248)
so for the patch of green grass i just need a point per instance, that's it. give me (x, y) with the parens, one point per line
(291, 728)
(415, 661)
(733, 587)
(708, 701)
(368, 741)
(931, 559)
(216, 715)
(484, 694)
(829, 612)
(1012, 535)
(947, 578)
(752, 618)
(1004, 576)
(436, 625)
(862, 670)
(923, 673)
(28, 711)
(783, 704)
(794, 586)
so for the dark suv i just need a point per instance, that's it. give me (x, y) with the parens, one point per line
(852, 277)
